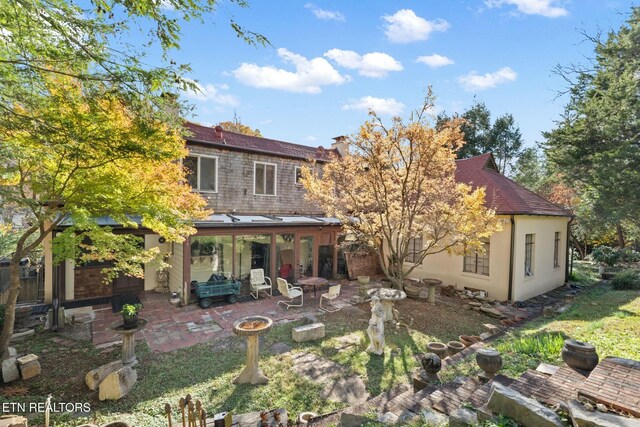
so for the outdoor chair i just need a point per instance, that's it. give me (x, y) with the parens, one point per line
(291, 292)
(333, 293)
(259, 283)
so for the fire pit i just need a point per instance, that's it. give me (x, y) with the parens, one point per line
(252, 327)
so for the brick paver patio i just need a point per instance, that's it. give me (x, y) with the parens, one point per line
(171, 328)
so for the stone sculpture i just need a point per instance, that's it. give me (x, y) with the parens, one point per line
(431, 365)
(376, 327)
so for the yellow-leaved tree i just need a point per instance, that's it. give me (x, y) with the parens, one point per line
(398, 183)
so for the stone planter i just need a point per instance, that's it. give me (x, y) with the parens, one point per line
(439, 349)
(412, 291)
(490, 361)
(363, 280)
(468, 340)
(579, 355)
(455, 347)
(304, 417)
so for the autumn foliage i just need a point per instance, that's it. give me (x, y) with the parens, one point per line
(398, 183)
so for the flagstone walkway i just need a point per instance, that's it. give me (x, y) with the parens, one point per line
(171, 328)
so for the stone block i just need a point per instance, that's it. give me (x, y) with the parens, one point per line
(418, 383)
(10, 353)
(525, 411)
(463, 417)
(583, 418)
(95, 376)
(13, 421)
(388, 418)
(29, 366)
(61, 319)
(10, 370)
(492, 312)
(311, 332)
(117, 384)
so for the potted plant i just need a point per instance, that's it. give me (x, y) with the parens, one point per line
(130, 315)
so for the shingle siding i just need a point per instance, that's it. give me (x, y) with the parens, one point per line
(235, 184)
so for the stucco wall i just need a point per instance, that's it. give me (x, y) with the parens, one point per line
(545, 276)
(448, 268)
(176, 270)
(235, 184)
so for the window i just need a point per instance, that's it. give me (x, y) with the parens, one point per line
(477, 262)
(264, 178)
(298, 175)
(528, 255)
(556, 250)
(415, 248)
(202, 173)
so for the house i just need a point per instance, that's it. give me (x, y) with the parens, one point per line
(527, 258)
(261, 220)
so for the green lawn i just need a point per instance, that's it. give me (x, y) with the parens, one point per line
(606, 318)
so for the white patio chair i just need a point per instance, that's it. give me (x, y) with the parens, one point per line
(259, 283)
(291, 292)
(333, 293)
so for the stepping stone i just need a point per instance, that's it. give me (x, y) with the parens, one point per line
(351, 390)
(583, 418)
(548, 369)
(523, 410)
(280, 348)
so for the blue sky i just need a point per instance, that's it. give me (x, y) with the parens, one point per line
(331, 60)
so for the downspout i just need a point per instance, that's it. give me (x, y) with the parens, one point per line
(511, 256)
(566, 265)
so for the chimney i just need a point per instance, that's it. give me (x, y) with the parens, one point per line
(219, 132)
(341, 145)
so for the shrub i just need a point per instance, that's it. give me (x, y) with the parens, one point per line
(606, 255)
(626, 280)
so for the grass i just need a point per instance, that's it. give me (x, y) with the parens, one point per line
(206, 371)
(606, 318)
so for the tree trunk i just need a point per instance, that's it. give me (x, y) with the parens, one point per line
(579, 247)
(620, 236)
(10, 306)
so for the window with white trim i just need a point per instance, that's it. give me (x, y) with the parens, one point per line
(202, 173)
(528, 254)
(477, 262)
(415, 248)
(264, 178)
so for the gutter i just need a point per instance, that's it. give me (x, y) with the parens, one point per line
(511, 256)
(566, 265)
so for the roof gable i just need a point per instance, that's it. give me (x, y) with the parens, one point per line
(241, 142)
(503, 194)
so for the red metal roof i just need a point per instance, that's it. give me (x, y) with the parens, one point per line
(502, 194)
(231, 140)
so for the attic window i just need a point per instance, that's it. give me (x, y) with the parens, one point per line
(491, 164)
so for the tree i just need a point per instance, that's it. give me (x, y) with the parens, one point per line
(502, 138)
(595, 143)
(86, 129)
(398, 183)
(237, 126)
(505, 142)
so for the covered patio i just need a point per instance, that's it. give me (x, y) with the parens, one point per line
(170, 328)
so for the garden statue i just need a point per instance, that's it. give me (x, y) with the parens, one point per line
(376, 327)
(431, 365)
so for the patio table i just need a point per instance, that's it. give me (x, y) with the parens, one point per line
(314, 282)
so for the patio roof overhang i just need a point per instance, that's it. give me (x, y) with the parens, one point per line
(231, 220)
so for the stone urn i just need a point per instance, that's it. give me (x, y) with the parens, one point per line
(412, 290)
(579, 355)
(490, 361)
(431, 365)
(304, 417)
(363, 280)
(455, 347)
(440, 349)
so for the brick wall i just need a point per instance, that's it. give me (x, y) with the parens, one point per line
(235, 185)
(89, 284)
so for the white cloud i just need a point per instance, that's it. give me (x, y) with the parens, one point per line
(327, 15)
(406, 27)
(265, 122)
(374, 64)
(213, 93)
(548, 8)
(435, 60)
(309, 75)
(474, 81)
(380, 105)
(310, 138)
